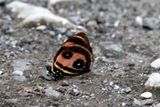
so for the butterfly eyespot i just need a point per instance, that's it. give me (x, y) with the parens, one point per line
(78, 64)
(67, 54)
(73, 58)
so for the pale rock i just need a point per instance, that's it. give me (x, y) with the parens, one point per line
(111, 83)
(140, 103)
(127, 90)
(157, 105)
(139, 21)
(12, 100)
(76, 19)
(156, 63)
(116, 87)
(153, 80)
(17, 72)
(13, 43)
(65, 83)
(124, 104)
(60, 29)
(1, 72)
(147, 22)
(20, 78)
(74, 92)
(31, 14)
(50, 92)
(151, 23)
(21, 64)
(112, 46)
(45, 75)
(41, 28)
(117, 23)
(92, 24)
(146, 95)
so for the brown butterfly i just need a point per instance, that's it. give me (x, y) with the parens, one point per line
(73, 58)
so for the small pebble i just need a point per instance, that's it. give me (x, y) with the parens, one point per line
(41, 28)
(50, 92)
(75, 19)
(60, 29)
(61, 89)
(146, 95)
(151, 23)
(20, 78)
(111, 83)
(116, 87)
(52, 33)
(111, 49)
(112, 46)
(116, 24)
(7, 29)
(61, 38)
(140, 103)
(17, 72)
(127, 90)
(153, 80)
(92, 24)
(156, 63)
(1, 72)
(124, 104)
(139, 21)
(86, 104)
(157, 105)
(64, 83)
(21, 64)
(13, 100)
(46, 76)
(74, 92)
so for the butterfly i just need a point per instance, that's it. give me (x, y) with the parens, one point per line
(73, 58)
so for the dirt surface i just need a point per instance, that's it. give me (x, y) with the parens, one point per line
(123, 55)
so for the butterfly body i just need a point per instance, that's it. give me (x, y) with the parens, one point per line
(73, 58)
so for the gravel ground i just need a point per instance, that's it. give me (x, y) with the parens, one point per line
(123, 53)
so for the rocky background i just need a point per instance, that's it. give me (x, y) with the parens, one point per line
(124, 35)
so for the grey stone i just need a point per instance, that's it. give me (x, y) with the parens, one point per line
(112, 46)
(112, 49)
(1, 72)
(60, 29)
(41, 28)
(21, 64)
(65, 83)
(12, 100)
(45, 75)
(75, 19)
(92, 24)
(74, 92)
(20, 78)
(140, 103)
(127, 90)
(50, 92)
(151, 23)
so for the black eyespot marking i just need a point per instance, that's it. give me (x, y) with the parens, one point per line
(78, 64)
(67, 54)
